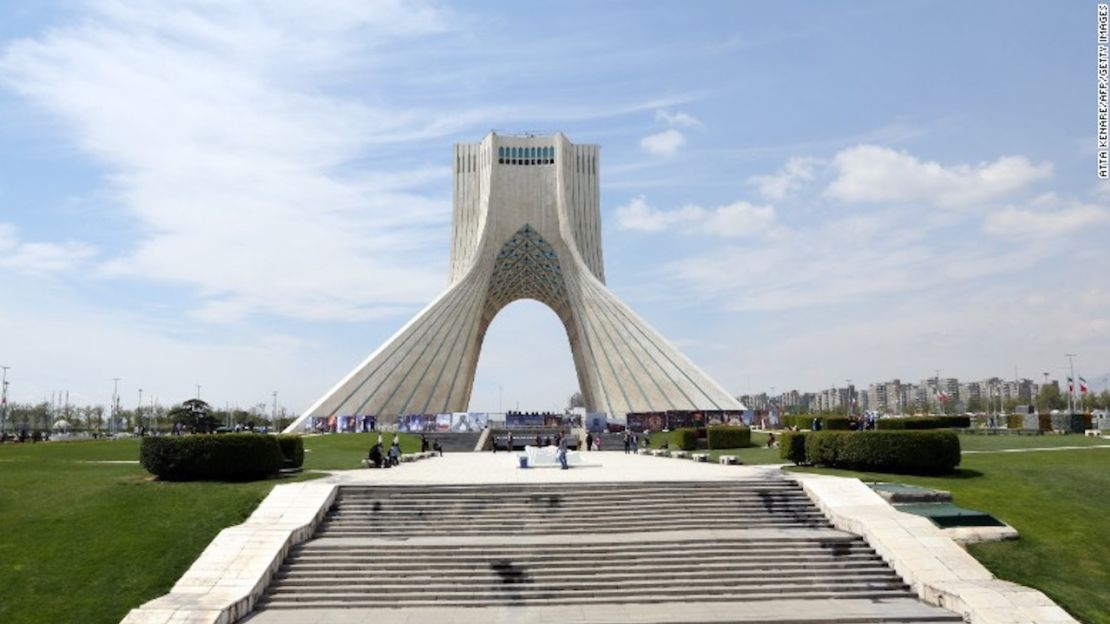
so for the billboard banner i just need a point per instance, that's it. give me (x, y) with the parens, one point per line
(414, 423)
(677, 419)
(443, 423)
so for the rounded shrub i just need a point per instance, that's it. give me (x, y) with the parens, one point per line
(792, 447)
(728, 436)
(904, 452)
(685, 438)
(227, 457)
(292, 449)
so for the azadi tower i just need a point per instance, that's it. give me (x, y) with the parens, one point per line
(527, 224)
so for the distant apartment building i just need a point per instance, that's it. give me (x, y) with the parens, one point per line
(887, 397)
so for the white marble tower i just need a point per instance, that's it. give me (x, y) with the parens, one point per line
(527, 224)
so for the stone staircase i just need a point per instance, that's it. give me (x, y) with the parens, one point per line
(746, 543)
(454, 442)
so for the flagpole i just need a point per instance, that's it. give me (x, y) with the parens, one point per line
(1071, 386)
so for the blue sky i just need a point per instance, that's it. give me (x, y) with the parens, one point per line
(254, 196)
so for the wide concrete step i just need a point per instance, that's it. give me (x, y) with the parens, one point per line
(644, 541)
(554, 501)
(512, 596)
(644, 494)
(621, 519)
(571, 554)
(525, 586)
(492, 490)
(607, 509)
(536, 528)
(311, 566)
(488, 574)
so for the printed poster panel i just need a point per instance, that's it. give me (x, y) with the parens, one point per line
(429, 421)
(414, 423)
(443, 423)
(479, 420)
(552, 421)
(596, 423)
(468, 422)
(637, 422)
(677, 419)
(533, 420)
(514, 421)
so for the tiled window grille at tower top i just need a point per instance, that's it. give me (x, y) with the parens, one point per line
(525, 155)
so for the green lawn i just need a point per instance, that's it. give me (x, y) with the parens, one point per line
(981, 442)
(1058, 501)
(86, 542)
(757, 453)
(346, 451)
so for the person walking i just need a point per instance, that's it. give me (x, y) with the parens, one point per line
(563, 452)
(510, 442)
(627, 441)
(589, 440)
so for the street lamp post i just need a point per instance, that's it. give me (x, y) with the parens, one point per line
(3, 398)
(112, 424)
(139, 410)
(273, 418)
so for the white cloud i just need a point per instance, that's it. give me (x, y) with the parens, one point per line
(871, 173)
(733, 220)
(793, 175)
(682, 120)
(223, 144)
(38, 258)
(664, 143)
(854, 258)
(1038, 221)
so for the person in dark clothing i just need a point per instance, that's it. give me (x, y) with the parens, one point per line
(423, 443)
(437, 448)
(563, 453)
(589, 440)
(376, 455)
(539, 442)
(627, 442)
(509, 443)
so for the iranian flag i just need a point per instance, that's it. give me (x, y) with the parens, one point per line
(1082, 386)
(1071, 385)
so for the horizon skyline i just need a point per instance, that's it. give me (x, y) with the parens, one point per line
(252, 197)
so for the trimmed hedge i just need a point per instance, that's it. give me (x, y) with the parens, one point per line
(728, 436)
(792, 447)
(685, 438)
(1014, 421)
(202, 457)
(905, 452)
(805, 421)
(292, 449)
(924, 422)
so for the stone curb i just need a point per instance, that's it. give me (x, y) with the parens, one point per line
(928, 560)
(232, 573)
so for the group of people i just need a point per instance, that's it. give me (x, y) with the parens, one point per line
(382, 458)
